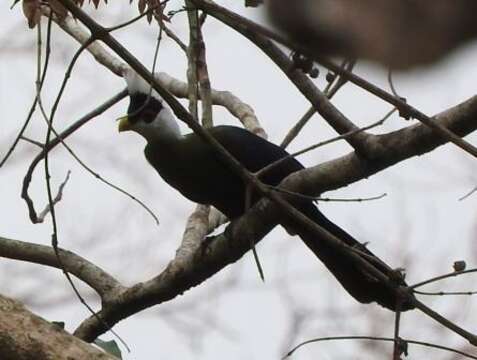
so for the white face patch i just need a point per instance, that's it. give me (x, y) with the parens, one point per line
(164, 125)
(163, 128)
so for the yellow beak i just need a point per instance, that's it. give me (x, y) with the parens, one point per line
(124, 124)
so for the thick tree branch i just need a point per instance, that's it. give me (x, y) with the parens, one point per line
(388, 149)
(26, 336)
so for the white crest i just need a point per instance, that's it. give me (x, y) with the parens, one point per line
(136, 84)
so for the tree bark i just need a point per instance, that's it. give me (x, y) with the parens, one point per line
(26, 336)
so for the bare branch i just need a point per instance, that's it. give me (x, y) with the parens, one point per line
(57, 199)
(442, 277)
(329, 91)
(104, 284)
(70, 130)
(35, 101)
(378, 338)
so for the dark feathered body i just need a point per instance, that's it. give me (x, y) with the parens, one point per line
(191, 166)
(194, 168)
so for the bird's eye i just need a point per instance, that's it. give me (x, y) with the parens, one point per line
(148, 115)
(143, 107)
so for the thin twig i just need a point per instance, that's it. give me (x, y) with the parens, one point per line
(341, 81)
(192, 56)
(59, 139)
(468, 194)
(267, 168)
(391, 83)
(134, 19)
(295, 130)
(442, 277)
(379, 338)
(51, 202)
(371, 198)
(319, 198)
(35, 100)
(248, 201)
(31, 141)
(399, 345)
(56, 200)
(329, 91)
(444, 293)
(174, 37)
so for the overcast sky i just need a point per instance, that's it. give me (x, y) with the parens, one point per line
(420, 224)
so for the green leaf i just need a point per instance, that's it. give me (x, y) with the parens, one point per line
(60, 324)
(110, 347)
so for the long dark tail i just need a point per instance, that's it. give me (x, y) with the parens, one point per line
(358, 283)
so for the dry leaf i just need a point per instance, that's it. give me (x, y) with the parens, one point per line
(58, 9)
(96, 3)
(31, 10)
(141, 5)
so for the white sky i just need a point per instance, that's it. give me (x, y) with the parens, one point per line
(420, 221)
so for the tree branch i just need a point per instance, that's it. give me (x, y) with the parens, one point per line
(26, 336)
(104, 284)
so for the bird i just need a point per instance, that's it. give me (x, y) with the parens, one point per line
(193, 167)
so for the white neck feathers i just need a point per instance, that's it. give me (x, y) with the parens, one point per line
(164, 126)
